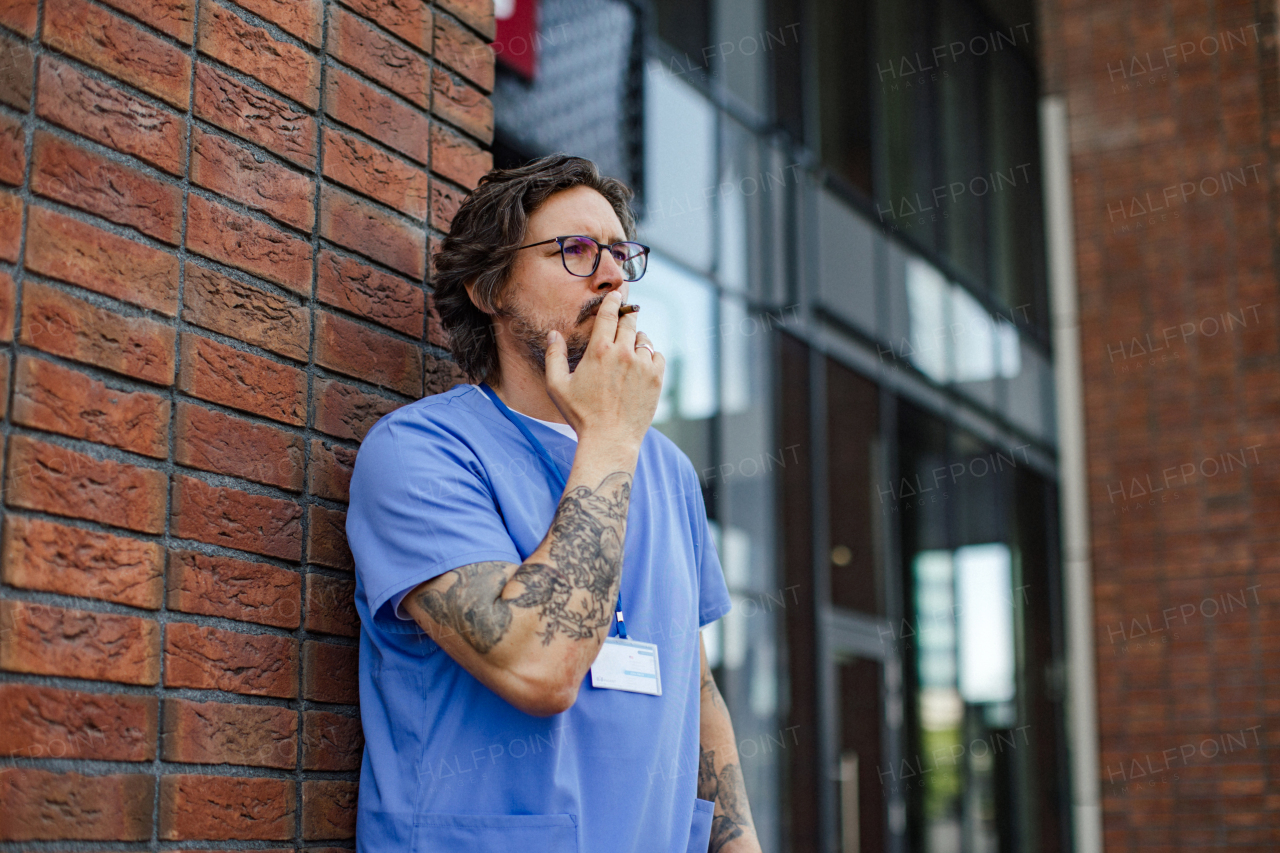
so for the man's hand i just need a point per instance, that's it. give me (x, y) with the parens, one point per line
(612, 396)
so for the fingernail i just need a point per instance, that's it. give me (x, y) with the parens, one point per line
(552, 336)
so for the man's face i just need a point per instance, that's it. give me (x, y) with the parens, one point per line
(542, 295)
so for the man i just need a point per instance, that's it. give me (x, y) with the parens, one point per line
(509, 703)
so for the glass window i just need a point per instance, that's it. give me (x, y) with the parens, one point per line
(846, 263)
(680, 170)
(843, 90)
(685, 25)
(984, 739)
(739, 50)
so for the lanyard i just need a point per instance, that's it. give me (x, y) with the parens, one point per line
(553, 471)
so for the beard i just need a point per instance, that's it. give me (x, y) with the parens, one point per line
(531, 333)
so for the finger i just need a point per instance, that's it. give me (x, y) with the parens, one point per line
(642, 340)
(557, 361)
(606, 325)
(626, 334)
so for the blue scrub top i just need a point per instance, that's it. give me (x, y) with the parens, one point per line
(450, 766)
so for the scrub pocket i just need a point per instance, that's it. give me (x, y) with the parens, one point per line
(700, 830)
(466, 833)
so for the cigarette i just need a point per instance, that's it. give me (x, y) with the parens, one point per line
(628, 309)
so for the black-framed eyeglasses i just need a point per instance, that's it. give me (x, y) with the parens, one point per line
(581, 255)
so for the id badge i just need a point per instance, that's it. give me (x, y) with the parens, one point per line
(627, 665)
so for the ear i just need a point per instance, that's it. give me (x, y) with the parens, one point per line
(471, 294)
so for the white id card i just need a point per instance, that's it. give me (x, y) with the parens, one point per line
(627, 665)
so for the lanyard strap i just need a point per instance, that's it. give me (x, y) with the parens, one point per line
(553, 474)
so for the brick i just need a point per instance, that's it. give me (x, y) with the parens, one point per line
(365, 169)
(8, 302)
(58, 323)
(65, 172)
(51, 557)
(214, 441)
(327, 538)
(445, 201)
(477, 14)
(44, 806)
(375, 357)
(362, 290)
(239, 310)
(50, 397)
(220, 234)
(223, 733)
(344, 411)
(252, 50)
(19, 15)
(10, 226)
(331, 742)
(329, 673)
(236, 519)
(171, 17)
(222, 808)
(13, 155)
(237, 172)
(300, 18)
(328, 810)
(439, 375)
(220, 374)
(119, 47)
(45, 722)
(401, 69)
(234, 589)
(61, 247)
(358, 105)
(458, 158)
(255, 116)
(464, 52)
(372, 231)
(329, 475)
(461, 105)
(107, 114)
(331, 607)
(56, 480)
(214, 659)
(44, 640)
(408, 19)
(17, 70)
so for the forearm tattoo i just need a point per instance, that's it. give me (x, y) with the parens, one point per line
(725, 787)
(574, 593)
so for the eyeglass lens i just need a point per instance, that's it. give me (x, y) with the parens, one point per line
(580, 255)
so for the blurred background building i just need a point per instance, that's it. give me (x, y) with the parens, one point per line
(864, 279)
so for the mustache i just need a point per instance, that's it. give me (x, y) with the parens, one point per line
(592, 304)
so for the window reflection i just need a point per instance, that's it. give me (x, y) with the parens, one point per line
(678, 312)
(680, 155)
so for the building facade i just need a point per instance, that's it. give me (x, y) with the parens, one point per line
(850, 282)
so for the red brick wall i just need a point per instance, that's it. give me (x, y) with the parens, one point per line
(214, 230)
(1186, 567)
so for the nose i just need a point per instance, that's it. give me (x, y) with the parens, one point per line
(608, 273)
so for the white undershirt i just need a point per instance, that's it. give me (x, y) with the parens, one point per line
(563, 429)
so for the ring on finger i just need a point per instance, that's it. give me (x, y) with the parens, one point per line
(649, 347)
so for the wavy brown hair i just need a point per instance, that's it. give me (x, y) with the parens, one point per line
(480, 248)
